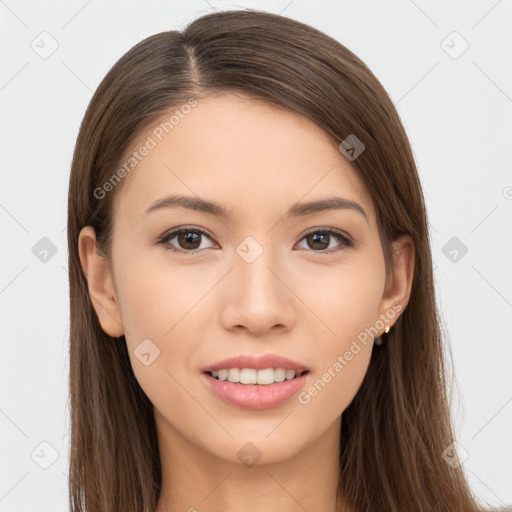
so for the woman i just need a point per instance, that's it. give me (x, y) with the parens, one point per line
(253, 315)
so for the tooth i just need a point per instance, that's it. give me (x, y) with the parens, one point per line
(234, 375)
(290, 374)
(253, 376)
(266, 376)
(279, 374)
(248, 376)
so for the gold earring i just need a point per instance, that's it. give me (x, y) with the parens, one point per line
(379, 340)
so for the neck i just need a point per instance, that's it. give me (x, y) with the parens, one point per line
(194, 479)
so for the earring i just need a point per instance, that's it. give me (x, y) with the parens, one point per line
(379, 340)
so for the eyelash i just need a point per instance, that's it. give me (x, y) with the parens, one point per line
(345, 241)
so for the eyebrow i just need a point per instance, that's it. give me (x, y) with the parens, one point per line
(296, 210)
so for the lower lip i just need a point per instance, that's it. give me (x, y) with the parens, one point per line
(255, 396)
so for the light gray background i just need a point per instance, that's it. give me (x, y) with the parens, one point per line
(457, 110)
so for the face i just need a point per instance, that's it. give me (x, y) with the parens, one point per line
(189, 288)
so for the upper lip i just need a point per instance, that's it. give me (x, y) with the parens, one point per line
(256, 362)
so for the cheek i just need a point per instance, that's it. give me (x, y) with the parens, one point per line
(344, 296)
(156, 298)
(148, 307)
(346, 302)
(342, 358)
(163, 311)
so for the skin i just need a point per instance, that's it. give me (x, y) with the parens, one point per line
(257, 161)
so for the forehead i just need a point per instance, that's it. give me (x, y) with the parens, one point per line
(246, 154)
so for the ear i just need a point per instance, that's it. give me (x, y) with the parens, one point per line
(100, 284)
(399, 284)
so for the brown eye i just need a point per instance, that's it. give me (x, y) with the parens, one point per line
(188, 240)
(320, 240)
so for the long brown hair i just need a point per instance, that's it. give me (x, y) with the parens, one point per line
(395, 431)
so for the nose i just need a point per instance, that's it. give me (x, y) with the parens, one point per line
(258, 296)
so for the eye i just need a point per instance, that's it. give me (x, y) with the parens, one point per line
(188, 238)
(321, 238)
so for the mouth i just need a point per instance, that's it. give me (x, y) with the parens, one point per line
(248, 388)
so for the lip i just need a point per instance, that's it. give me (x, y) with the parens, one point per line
(254, 396)
(258, 363)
